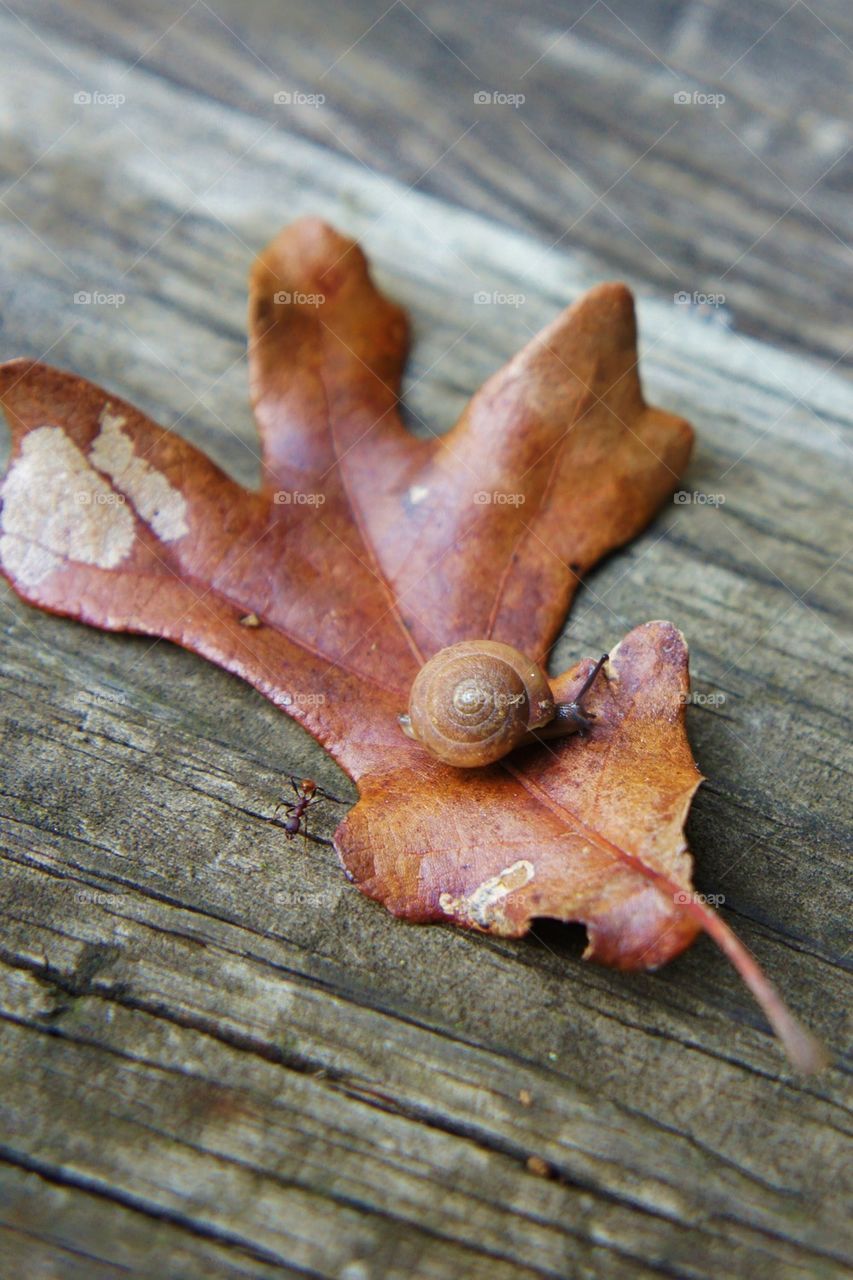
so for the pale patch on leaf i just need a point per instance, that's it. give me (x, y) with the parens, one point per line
(159, 503)
(56, 508)
(483, 907)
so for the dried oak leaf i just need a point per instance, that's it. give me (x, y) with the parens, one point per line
(364, 552)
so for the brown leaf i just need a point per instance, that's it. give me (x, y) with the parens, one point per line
(542, 834)
(366, 551)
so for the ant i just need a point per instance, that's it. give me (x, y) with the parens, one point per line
(308, 793)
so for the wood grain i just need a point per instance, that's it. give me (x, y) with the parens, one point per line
(216, 1058)
(749, 198)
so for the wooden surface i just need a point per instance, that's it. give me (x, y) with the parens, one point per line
(216, 1058)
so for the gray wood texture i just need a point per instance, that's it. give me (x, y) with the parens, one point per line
(217, 1058)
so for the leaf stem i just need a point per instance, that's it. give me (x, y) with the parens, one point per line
(805, 1050)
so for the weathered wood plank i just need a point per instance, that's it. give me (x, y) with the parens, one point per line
(210, 1046)
(49, 1229)
(347, 1129)
(748, 198)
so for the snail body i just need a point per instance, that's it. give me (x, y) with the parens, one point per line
(474, 702)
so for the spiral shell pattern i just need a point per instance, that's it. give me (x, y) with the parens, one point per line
(474, 701)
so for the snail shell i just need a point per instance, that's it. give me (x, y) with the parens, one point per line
(473, 702)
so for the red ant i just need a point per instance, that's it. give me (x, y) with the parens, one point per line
(308, 793)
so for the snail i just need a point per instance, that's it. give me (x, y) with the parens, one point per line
(474, 702)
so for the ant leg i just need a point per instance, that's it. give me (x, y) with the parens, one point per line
(318, 798)
(288, 805)
(327, 795)
(288, 808)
